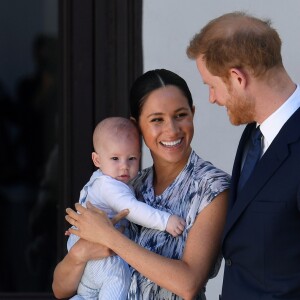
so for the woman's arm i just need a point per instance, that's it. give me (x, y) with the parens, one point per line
(183, 277)
(68, 272)
(67, 275)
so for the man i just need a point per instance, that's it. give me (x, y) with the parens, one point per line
(239, 58)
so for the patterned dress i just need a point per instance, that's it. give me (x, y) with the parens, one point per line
(194, 188)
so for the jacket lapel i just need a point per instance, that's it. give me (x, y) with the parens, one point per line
(276, 154)
(236, 170)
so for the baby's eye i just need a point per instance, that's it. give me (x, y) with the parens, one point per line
(114, 158)
(132, 158)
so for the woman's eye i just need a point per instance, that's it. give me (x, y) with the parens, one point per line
(156, 120)
(181, 115)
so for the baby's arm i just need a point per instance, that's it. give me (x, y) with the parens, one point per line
(118, 196)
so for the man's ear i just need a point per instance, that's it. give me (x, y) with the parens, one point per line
(238, 78)
(96, 159)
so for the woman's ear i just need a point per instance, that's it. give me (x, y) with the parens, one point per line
(193, 110)
(96, 159)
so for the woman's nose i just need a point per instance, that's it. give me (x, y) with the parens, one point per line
(172, 126)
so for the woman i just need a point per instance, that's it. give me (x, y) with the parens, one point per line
(180, 182)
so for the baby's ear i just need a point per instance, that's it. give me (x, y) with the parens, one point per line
(133, 119)
(96, 159)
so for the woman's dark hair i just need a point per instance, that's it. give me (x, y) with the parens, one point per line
(150, 81)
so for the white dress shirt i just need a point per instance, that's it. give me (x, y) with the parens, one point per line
(272, 125)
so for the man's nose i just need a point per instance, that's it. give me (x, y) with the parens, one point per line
(212, 97)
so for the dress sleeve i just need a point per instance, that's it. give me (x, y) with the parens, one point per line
(214, 182)
(118, 196)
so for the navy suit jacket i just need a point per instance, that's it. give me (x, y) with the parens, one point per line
(261, 240)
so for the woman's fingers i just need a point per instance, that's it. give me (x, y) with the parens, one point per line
(91, 207)
(121, 215)
(72, 213)
(90, 223)
(84, 217)
(71, 216)
(70, 220)
(81, 209)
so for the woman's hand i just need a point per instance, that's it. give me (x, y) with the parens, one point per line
(83, 251)
(92, 224)
(68, 272)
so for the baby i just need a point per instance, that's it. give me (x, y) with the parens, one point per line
(117, 152)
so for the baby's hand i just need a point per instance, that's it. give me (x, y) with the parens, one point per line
(175, 225)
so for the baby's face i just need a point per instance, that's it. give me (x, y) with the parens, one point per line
(120, 157)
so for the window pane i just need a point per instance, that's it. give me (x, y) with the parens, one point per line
(28, 138)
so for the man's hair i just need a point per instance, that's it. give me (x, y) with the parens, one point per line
(237, 40)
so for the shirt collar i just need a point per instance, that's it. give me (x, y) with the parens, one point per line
(272, 125)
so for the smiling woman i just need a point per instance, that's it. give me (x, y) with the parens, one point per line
(179, 182)
(166, 121)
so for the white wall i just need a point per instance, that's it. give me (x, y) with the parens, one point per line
(168, 26)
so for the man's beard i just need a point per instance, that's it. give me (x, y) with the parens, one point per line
(240, 109)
